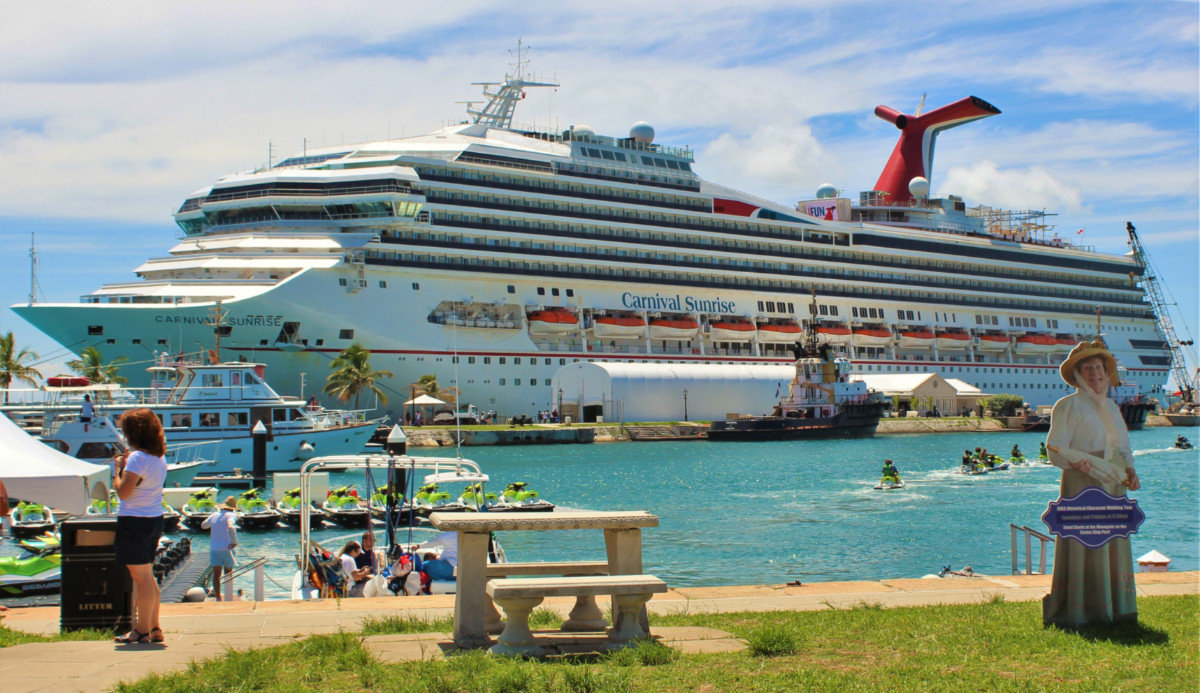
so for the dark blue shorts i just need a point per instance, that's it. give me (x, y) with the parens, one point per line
(137, 538)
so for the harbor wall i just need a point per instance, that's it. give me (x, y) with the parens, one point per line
(550, 435)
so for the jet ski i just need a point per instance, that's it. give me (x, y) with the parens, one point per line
(344, 508)
(1183, 443)
(889, 485)
(197, 509)
(517, 497)
(290, 510)
(35, 571)
(31, 519)
(255, 513)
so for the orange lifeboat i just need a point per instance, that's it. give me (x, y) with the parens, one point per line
(779, 332)
(1036, 344)
(993, 342)
(732, 331)
(916, 339)
(1066, 342)
(67, 381)
(617, 327)
(833, 334)
(952, 339)
(870, 336)
(552, 321)
(673, 328)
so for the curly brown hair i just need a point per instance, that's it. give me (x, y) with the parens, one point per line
(143, 431)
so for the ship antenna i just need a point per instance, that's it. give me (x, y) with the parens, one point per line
(34, 287)
(498, 111)
(921, 105)
(217, 320)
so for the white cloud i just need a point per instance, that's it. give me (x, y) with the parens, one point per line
(1030, 188)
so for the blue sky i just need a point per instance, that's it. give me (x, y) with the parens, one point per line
(110, 114)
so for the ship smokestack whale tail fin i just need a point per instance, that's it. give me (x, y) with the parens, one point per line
(913, 155)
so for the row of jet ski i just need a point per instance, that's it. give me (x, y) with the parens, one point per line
(346, 508)
(38, 569)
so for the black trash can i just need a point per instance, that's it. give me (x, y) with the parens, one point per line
(96, 592)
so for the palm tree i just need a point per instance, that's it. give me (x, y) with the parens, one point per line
(428, 385)
(352, 374)
(14, 365)
(90, 365)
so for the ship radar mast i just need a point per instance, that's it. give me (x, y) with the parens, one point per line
(1174, 347)
(498, 110)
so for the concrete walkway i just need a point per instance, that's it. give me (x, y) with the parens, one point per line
(206, 630)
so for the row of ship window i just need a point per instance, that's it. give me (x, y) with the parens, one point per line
(927, 246)
(620, 254)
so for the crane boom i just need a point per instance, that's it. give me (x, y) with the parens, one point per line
(1173, 349)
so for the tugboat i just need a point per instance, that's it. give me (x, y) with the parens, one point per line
(821, 402)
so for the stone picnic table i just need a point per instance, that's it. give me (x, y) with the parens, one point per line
(622, 542)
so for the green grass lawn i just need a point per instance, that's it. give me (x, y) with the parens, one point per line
(992, 646)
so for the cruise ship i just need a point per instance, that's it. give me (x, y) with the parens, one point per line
(490, 255)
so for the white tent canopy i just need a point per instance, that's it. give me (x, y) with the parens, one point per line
(423, 399)
(33, 471)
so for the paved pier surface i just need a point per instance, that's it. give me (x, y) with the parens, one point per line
(205, 630)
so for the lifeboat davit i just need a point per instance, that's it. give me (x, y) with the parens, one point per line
(669, 328)
(870, 336)
(784, 333)
(833, 334)
(732, 331)
(992, 342)
(552, 321)
(916, 339)
(954, 339)
(613, 327)
(1036, 344)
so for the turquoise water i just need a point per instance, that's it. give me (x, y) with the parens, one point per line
(760, 513)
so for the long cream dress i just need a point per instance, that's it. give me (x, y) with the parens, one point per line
(1090, 586)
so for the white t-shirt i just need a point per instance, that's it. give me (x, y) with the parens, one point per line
(349, 566)
(224, 530)
(147, 497)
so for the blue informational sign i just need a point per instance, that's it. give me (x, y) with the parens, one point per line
(1093, 517)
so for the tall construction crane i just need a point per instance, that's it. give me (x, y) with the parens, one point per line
(1174, 347)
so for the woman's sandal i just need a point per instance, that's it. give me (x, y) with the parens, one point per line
(156, 635)
(132, 637)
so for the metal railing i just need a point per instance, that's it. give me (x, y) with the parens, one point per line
(1029, 534)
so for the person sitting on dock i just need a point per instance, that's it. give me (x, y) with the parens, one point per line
(356, 576)
(890, 473)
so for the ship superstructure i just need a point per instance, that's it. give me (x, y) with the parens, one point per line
(490, 255)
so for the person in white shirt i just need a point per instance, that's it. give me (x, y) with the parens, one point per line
(138, 478)
(88, 410)
(356, 577)
(223, 539)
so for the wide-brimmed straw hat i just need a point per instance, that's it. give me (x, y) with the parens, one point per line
(1086, 350)
(230, 503)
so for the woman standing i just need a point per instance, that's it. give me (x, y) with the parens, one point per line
(139, 482)
(1089, 442)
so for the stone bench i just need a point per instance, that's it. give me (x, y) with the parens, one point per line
(519, 596)
(584, 616)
